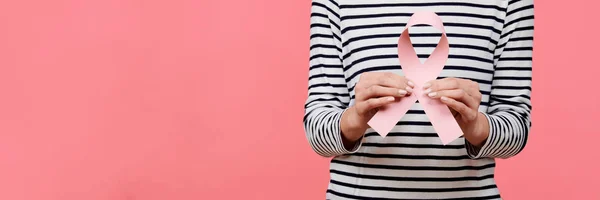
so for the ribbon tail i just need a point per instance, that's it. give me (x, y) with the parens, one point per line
(388, 116)
(442, 120)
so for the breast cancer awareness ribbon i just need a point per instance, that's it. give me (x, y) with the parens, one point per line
(440, 116)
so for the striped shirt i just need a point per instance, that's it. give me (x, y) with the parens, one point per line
(491, 42)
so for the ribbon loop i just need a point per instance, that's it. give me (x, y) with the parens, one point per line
(440, 116)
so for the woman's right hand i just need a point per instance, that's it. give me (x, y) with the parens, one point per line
(373, 90)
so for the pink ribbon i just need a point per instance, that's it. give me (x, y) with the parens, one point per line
(440, 116)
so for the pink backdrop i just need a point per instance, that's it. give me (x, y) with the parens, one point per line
(124, 100)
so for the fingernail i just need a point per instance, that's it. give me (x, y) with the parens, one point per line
(409, 89)
(445, 99)
(426, 85)
(427, 91)
(411, 84)
(390, 99)
(432, 94)
(402, 92)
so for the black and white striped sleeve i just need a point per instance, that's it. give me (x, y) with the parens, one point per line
(328, 95)
(509, 113)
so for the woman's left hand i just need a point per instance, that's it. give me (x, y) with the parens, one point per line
(463, 98)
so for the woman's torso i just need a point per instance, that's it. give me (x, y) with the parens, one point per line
(411, 162)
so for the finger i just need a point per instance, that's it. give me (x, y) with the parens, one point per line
(366, 106)
(376, 91)
(394, 80)
(466, 112)
(456, 94)
(473, 89)
(441, 84)
(367, 79)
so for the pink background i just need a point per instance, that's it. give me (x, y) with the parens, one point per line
(124, 100)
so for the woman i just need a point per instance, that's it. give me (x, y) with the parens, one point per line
(354, 70)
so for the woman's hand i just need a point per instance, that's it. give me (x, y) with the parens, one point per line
(373, 90)
(463, 98)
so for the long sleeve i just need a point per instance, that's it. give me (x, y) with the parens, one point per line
(328, 95)
(509, 112)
